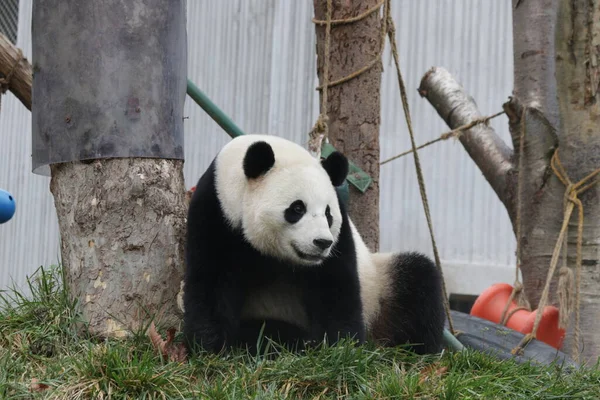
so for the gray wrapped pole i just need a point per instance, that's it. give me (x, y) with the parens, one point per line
(108, 92)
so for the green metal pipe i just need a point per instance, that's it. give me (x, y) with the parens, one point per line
(211, 109)
(452, 342)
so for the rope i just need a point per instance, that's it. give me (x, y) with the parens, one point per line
(565, 279)
(355, 73)
(320, 130)
(510, 314)
(352, 19)
(391, 33)
(518, 290)
(457, 132)
(572, 192)
(565, 294)
(5, 81)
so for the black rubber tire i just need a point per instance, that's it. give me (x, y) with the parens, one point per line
(483, 335)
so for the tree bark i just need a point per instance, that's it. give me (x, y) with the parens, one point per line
(122, 224)
(354, 106)
(12, 60)
(578, 78)
(534, 25)
(117, 76)
(556, 52)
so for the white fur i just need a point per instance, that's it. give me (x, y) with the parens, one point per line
(258, 207)
(373, 274)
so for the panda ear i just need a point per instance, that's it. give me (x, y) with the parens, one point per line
(336, 166)
(258, 160)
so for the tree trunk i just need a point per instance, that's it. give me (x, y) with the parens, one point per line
(578, 78)
(534, 26)
(354, 106)
(552, 41)
(122, 224)
(107, 119)
(556, 50)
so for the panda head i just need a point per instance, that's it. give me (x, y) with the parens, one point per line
(290, 208)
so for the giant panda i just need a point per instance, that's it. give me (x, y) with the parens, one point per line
(271, 251)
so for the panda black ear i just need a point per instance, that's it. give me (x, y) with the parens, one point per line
(258, 160)
(336, 166)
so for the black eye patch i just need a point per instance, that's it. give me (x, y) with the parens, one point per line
(329, 217)
(295, 212)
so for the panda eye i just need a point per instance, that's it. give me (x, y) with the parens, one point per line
(295, 212)
(299, 208)
(328, 216)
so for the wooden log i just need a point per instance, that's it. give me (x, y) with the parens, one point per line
(17, 72)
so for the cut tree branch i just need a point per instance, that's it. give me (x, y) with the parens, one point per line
(20, 81)
(491, 155)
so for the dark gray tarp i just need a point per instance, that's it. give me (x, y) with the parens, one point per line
(106, 82)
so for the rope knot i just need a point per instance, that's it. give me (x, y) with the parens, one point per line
(570, 192)
(391, 27)
(321, 124)
(522, 303)
(317, 134)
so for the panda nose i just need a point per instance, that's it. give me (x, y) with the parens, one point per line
(323, 244)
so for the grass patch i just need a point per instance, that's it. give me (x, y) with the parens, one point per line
(42, 355)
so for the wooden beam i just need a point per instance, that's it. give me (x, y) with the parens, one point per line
(17, 72)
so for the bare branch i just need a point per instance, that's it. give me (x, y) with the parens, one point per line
(493, 157)
(11, 59)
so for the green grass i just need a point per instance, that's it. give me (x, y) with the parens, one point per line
(39, 340)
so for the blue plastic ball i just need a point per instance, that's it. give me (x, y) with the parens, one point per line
(7, 206)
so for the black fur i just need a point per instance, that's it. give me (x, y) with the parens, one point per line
(336, 166)
(415, 312)
(258, 160)
(295, 212)
(222, 268)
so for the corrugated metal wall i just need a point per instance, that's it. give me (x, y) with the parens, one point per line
(256, 60)
(30, 239)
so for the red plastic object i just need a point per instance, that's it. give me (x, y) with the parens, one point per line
(490, 304)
